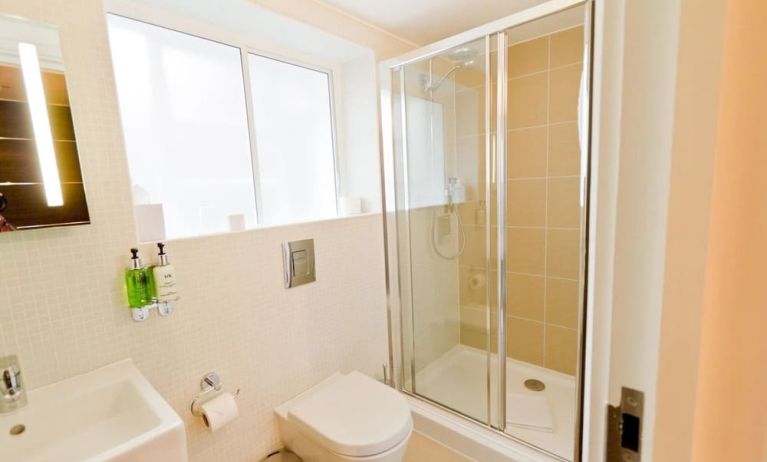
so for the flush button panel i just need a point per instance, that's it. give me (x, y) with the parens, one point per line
(298, 260)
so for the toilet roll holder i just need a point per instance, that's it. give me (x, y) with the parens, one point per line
(210, 387)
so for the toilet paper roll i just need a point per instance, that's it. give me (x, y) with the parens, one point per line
(477, 281)
(219, 411)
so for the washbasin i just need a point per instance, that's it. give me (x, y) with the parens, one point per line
(110, 414)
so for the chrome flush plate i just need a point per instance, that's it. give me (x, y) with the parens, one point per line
(298, 262)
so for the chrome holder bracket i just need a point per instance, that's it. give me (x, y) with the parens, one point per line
(210, 387)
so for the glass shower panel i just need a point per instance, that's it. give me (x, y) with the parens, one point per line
(441, 175)
(546, 90)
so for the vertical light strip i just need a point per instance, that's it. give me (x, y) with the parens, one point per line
(46, 156)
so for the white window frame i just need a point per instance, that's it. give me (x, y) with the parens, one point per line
(158, 18)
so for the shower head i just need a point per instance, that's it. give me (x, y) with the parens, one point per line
(463, 58)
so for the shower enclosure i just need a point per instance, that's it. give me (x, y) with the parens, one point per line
(486, 180)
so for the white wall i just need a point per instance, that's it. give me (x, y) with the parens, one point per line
(634, 100)
(359, 132)
(649, 83)
(657, 85)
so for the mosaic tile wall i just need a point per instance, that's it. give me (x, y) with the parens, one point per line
(61, 302)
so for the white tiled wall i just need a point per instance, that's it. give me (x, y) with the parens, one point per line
(61, 302)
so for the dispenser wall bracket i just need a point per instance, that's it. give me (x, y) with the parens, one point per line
(624, 427)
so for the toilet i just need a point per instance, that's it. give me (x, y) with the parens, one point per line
(346, 418)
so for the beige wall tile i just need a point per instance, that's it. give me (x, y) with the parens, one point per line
(524, 340)
(475, 191)
(528, 57)
(471, 77)
(469, 293)
(477, 337)
(562, 302)
(526, 153)
(527, 101)
(526, 202)
(469, 112)
(525, 250)
(474, 250)
(474, 211)
(483, 122)
(524, 296)
(474, 317)
(564, 150)
(567, 47)
(493, 210)
(564, 88)
(471, 212)
(561, 349)
(473, 338)
(563, 206)
(493, 62)
(493, 99)
(563, 253)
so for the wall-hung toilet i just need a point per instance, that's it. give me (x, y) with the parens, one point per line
(347, 418)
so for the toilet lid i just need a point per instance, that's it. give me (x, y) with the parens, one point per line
(354, 416)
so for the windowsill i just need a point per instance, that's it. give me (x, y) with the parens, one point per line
(269, 227)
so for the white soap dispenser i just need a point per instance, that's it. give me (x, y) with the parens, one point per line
(165, 282)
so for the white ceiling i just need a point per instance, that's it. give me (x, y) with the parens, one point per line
(426, 21)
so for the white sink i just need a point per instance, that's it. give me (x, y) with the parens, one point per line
(110, 414)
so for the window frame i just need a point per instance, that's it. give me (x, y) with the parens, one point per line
(210, 33)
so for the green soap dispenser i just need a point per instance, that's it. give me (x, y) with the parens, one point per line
(137, 282)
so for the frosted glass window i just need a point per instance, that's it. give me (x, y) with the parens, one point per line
(182, 104)
(294, 141)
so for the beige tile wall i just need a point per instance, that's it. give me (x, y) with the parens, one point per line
(543, 209)
(61, 302)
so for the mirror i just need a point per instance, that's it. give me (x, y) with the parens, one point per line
(41, 184)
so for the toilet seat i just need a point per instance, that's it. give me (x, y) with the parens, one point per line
(353, 415)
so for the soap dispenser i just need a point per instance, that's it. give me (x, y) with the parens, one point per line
(137, 282)
(164, 276)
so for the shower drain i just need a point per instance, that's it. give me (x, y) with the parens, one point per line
(535, 385)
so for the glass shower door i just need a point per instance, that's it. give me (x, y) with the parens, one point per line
(443, 215)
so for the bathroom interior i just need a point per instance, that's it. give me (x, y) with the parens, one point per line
(336, 230)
